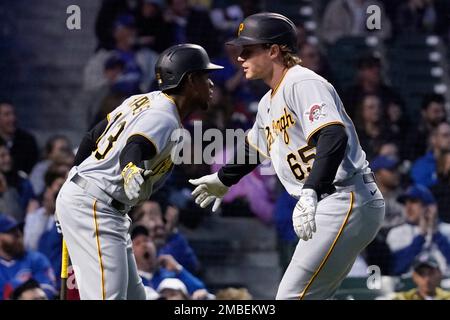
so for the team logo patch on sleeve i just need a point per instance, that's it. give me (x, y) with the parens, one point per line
(316, 111)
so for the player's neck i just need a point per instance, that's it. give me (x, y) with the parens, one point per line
(180, 102)
(276, 76)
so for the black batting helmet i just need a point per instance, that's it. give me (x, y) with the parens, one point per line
(175, 62)
(266, 27)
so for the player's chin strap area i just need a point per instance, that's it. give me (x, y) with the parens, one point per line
(98, 193)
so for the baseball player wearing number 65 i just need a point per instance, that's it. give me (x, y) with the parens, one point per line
(118, 164)
(302, 126)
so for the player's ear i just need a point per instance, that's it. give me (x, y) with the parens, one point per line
(191, 80)
(274, 51)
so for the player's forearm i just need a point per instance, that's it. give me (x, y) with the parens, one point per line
(231, 173)
(331, 143)
(137, 149)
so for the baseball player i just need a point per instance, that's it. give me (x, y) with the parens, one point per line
(302, 127)
(118, 164)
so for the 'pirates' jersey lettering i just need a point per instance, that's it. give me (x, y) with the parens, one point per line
(281, 125)
(303, 104)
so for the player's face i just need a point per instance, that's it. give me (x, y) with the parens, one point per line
(203, 89)
(255, 61)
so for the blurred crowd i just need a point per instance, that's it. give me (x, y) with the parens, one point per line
(410, 156)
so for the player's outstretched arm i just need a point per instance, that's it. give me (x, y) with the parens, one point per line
(209, 188)
(214, 186)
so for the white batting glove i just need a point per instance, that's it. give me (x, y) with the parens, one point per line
(303, 217)
(209, 189)
(133, 178)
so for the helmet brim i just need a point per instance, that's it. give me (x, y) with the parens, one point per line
(245, 41)
(212, 66)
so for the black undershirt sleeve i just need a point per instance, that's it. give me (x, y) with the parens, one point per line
(331, 143)
(89, 142)
(137, 149)
(232, 172)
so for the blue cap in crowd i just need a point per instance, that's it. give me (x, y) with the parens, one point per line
(418, 192)
(125, 20)
(8, 223)
(383, 162)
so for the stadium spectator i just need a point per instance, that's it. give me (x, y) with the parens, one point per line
(154, 269)
(109, 11)
(165, 234)
(397, 123)
(302, 34)
(138, 65)
(192, 24)
(389, 149)
(40, 231)
(153, 31)
(227, 19)
(9, 199)
(42, 219)
(441, 190)
(432, 114)
(16, 263)
(22, 145)
(344, 18)
(421, 233)
(368, 81)
(370, 125)
(233, 294)
(56, 147)
(17, 187)
(313, 59)
(173, 289)
(427, 276)
(26, 290)
(422, 17)
(388, 179)
(424, 169)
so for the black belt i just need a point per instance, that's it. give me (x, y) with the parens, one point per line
(118, 205)
(369, 177)
(366, 177)
(98, 193)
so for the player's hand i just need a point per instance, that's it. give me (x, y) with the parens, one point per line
(133, 178)
(209, 189)
(303, 217)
